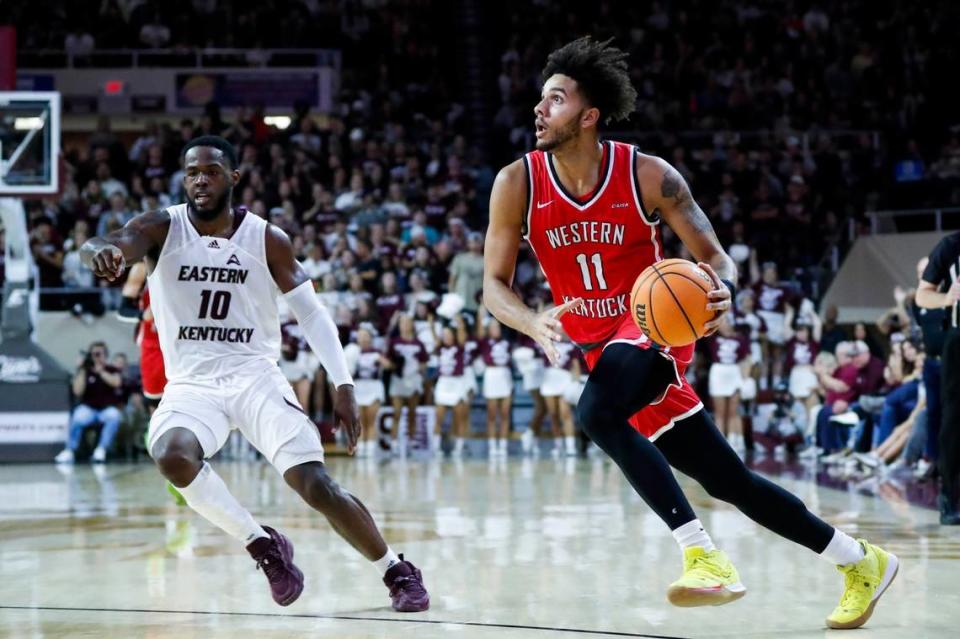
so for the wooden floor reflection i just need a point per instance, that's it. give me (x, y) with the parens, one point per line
(518, 548)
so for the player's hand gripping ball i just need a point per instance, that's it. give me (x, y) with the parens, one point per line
(669, 302)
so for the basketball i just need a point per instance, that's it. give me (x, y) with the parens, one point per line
(669, 302)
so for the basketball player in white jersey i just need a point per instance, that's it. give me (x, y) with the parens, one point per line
(215, 273)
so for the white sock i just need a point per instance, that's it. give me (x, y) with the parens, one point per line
(691, 534)
(842, 549)
(570, 443)
(210, 497)
(387, 562)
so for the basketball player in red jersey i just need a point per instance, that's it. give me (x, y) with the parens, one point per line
(152, 374)
(153, 379)
(592, 212)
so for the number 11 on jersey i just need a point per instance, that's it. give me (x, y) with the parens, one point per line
(585, 271)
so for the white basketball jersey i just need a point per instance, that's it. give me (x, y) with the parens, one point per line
(214, 300)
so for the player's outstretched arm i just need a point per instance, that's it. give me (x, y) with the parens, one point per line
(108, 256)
(667, 194)
(508, 202)
(317, 326)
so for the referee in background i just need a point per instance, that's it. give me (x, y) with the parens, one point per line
(940, 288)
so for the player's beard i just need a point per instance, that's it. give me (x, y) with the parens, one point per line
(213, 208)
(564, 134)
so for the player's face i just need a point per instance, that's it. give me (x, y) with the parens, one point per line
(364, 339)
(559, 112)
(208, 181)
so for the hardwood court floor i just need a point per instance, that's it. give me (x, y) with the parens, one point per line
(518, 548)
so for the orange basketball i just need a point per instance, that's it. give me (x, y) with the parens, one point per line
(669, 302)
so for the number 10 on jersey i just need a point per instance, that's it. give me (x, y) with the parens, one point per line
(216, 303)
(597, 268)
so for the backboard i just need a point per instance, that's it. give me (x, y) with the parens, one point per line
(29, 142)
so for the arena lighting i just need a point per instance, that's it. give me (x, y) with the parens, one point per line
(26, 124)
(279, 121)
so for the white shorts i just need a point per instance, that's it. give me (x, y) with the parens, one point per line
(803, 381)
(748, 390)
(532, 374)
(405, 387)
(775, 328)
(725, 380)
(368, 391)
(555, 382)
(497, 382)
(756, 352)
(263, 407)
(304, 366)
(574, 390)
(450, 390)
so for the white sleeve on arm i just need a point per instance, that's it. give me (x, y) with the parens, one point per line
(320, 331)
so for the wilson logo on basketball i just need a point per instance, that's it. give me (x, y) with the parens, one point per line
(640, 310)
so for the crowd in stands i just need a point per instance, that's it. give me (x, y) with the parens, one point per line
(788, 120)
(855, 398)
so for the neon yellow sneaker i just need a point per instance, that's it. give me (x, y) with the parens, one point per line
(709, 579)
(864, 582)
(177, 497)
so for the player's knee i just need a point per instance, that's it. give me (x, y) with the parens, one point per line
(178, 459)
(595, 412)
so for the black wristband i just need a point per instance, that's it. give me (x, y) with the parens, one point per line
(733, 289)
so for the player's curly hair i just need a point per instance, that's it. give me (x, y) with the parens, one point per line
(601, 73)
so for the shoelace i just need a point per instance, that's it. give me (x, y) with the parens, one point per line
(855, 584)
(704, 565)
(409, 583)
(272, 564)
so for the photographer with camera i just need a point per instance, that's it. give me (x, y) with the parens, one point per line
(98, 387)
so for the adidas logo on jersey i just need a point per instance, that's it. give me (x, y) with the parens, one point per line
(213, 244)
(233, 260)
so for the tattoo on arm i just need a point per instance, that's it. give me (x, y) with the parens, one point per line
(674, 187)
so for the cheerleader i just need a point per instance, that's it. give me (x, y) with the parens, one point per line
(578, 380)
(730, 354)
(556, 383)
(297, 362)
(426, 327)
(497, 383)
(407, 358)
(367, 363)
(802, 350)
(529, 360)
(451, 390)
(471, 359)
(754, 328)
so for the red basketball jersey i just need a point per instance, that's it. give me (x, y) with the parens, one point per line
(147, 331)
(595, 247)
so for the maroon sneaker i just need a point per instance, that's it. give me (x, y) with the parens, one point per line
(406, 587)
(275, 556)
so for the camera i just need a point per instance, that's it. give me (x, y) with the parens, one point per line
(87, 363)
